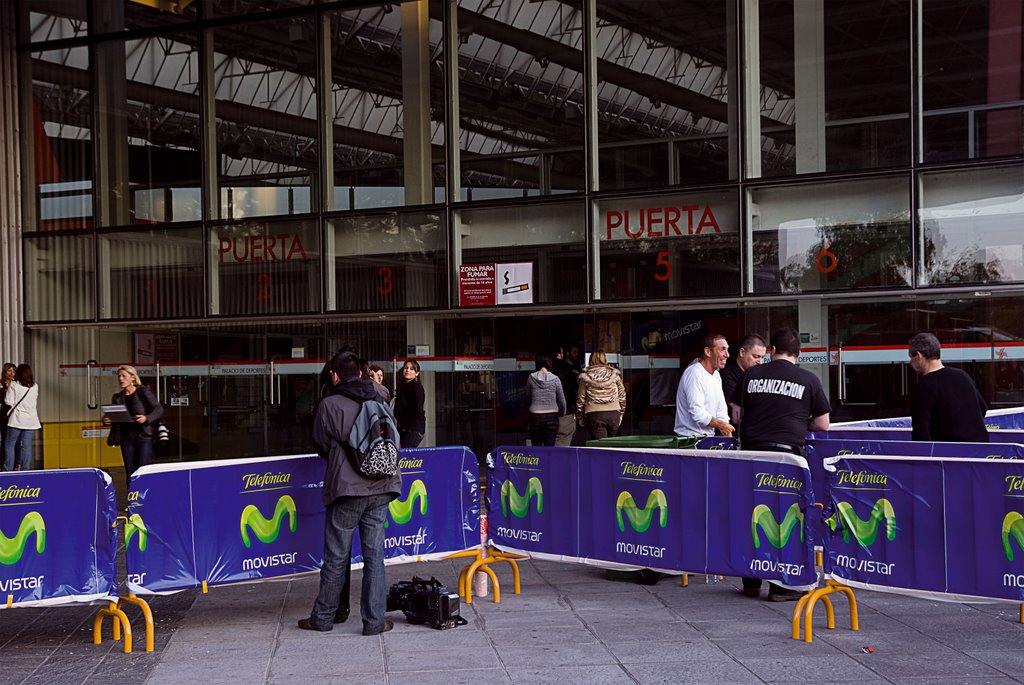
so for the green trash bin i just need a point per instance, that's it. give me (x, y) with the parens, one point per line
(671, 442)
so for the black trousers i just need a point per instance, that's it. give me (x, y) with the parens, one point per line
(543, 429)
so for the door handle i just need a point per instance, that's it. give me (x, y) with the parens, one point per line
(91, 399)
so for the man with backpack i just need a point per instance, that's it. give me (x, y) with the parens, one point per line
(356, 434)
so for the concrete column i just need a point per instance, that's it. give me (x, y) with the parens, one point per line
(416, 150)
(809, 84)
(12, 324)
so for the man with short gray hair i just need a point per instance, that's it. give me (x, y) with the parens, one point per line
(946, 405)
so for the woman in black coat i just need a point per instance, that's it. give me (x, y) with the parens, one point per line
(412, 421)
(135, 438)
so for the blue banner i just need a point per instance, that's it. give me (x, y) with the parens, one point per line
(985, 529)
(57, 537)
(432, 518)
(885, 523)
(716, 442)
(224, 522)
(1006, 419)
(903, 434)
(736, 513)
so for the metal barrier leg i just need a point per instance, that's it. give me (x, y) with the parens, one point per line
(120, 619)
(147, 614)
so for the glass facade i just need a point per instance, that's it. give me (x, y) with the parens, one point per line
(224, 192)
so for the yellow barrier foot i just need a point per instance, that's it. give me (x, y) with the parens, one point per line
(147, 614)
(119, 620)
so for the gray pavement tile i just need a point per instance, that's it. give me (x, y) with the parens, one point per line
(960, 680)
(981, 638)
(310, 665)
(442, 659)
(351, 679)
(653, 614)
(509, 619)
(828, 667)
(783, 646)
(48, 679)
(241, 650)
(642, 631)
(767, 629)
(212, 632)
(1008, 661)
(717, 671)
(899, 666)
(523, 602)
(719, 611)
(215, 670)
(908, 642)
(600, 587)
(123, 679)
(613, 603)
(656, 651)
(565, 654)
(422, 639)
(592, 675)
(491, 676)
(541, 635)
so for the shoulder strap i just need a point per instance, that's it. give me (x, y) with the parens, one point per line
(27, 390)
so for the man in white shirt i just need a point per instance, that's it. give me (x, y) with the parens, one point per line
(700, 402)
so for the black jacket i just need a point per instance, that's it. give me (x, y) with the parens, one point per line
(409, 412)
(142, 401)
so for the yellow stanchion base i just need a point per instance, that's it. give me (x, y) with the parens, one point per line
(482, 558)
(119, 620)
(147, 614)
(805, 608)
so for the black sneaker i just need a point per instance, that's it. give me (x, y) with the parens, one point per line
(341, 615)
(779, 594)
(751, 592)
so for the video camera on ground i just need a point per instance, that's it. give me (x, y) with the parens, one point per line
(426, 601)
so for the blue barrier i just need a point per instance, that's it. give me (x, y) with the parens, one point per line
(950, 529)
(57, 538)
(1006, 419)
(211, 523)
(722, 513)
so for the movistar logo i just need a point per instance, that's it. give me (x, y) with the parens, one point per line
(267, 530)
(135, 525)
(776, 533)
(1013, 526)
(864, 530)
(520, 504)
(401, 511)
(640, 519)
(11, 549)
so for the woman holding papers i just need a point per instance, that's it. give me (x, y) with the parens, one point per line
(135, 436)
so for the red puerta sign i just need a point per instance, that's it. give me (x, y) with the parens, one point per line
(279, 247)
(487, 285)
(665, 217)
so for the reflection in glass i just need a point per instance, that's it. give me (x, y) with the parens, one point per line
(265, 86)
(971, 79)
(389, 261)
(838, 96)
(520, 95)
(544, 242)
(854, 234)
(152, 274)
(663, 91)
(61, 140)
(60, 276)
(669, 246)
(48, 20)
(971, 226)
(265, 268)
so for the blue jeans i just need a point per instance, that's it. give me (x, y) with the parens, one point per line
(137, 451)
(18, 439)
(343, 516)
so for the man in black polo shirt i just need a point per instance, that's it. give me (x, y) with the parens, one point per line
(776, 405)
(751, 353)
(946, 406)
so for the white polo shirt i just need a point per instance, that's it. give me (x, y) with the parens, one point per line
(699, 399)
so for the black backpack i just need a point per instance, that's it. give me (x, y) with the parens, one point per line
(373, 441)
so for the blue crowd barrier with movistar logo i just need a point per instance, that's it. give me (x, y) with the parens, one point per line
(57, 537)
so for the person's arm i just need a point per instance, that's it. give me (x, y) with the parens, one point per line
(322, 431)
(157, 410)
(421, 401)
(581, 397)
(11, 397)
(622, 393)
(818, 423)
(560, 398)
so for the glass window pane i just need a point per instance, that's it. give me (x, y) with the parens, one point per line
(837, 97)
(43, 20)
(520, 95)
(669, 246)
(390, 261)
(60, 276)
(61, 139)
(228, 8)
(855, 234)
(265, 268)
(159, 115)
(663, 91)
(387, 93)
(152, 274)
(121, 15)
(265, 86)
(545, 242)
(971, 226)
(971, 81)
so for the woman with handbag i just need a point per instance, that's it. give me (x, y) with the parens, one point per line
(136, 437)
(22, 397)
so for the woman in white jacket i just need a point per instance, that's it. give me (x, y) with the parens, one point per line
(23, 419)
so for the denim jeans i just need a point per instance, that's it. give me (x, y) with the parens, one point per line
(343, 516)
(137, 451)
(18, 439)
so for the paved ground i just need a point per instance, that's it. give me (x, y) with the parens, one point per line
(569, 625)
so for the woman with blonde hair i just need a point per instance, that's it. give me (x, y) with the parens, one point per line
(601, 398)
(136, 437)
(6, 378)
(22, 397)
